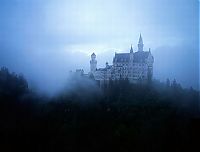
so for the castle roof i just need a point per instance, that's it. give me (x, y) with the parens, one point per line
(93, 54)
(139, 56)
(122, 57)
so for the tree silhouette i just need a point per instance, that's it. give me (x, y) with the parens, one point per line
(12, 85)
(125, 117)
(167, 83)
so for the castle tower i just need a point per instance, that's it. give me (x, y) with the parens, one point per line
(131, 50)
(140, 44)
(93, 63)
(150, 61)
(130, 76)
(131, 54)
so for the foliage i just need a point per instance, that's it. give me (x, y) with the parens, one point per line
(125, 117)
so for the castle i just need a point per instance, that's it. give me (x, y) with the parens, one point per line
(134, 66)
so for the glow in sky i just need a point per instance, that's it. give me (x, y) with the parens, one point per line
(38, 37)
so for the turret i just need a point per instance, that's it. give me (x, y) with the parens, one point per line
(93, 63)
(107, 65)
(131, 54)
(140, 44)
(131, 50)
(93, 56)
(150, 61)
(131, 63)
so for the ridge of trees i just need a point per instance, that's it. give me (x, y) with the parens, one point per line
(119, 117)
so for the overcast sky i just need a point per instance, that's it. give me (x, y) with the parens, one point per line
(44, 39)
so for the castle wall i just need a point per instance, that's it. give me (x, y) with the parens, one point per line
(136, 66)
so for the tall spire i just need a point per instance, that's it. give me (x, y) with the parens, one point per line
(140, 39)
(140, 43)
(131, 50)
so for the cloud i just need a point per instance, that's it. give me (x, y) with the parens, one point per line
(179, 62)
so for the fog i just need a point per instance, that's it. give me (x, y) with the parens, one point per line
(44, 40)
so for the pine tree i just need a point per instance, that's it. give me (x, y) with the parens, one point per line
(167, 83)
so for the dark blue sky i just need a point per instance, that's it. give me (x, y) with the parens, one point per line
(46, 39)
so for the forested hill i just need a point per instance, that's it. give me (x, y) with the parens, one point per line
(118, 117)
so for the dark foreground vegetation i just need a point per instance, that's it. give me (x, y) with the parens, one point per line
(120, 117)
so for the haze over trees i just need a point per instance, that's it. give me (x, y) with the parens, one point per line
(118, 117)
